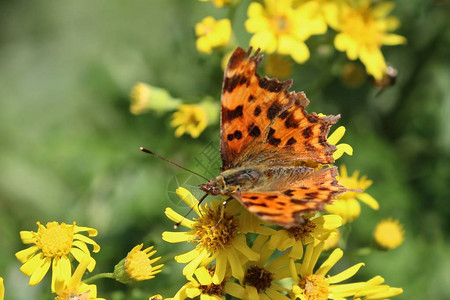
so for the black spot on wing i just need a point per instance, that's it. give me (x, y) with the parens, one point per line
(274, 110)
(257, 111)
(271, 197)
(274, 141)
(289, 193)
(231, 114)
(307, 132)
(254, 131)
(238, 134)
(231, 83)
(291, 122)
(312, 195)
(291, 141)
(251, 98)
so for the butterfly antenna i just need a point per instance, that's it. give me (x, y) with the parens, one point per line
(184, 217)
(171, 162)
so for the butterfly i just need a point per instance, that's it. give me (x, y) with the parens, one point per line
(275, 155)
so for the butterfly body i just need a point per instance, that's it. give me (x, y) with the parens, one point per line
(275, 155)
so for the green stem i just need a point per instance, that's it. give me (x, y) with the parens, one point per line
(98, 276)
(347, 228)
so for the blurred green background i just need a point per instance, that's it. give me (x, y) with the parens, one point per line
(69, 147)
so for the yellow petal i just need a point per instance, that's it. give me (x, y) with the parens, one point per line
(176, 217)
(344, 275)
(190, 268)
(221, 267)
(252, 292)
(369, 200)
(297, 250)
(28, 237)
(40, 272)
(293, 270)
(203, 276)
(334, 257)
(241, 245)
(393, 39)
(236, 266)
(314, 257)
(188, 198)
(188, 256)
(265, 40)
(273, 294)
(32, 264)
(79, 272)
(61, 270)
(332, 222)
(337, 135)
(90, 231)
(2, 289)
(306, 259)
(382, 9)
(341, 149)
(26, 254)
(87, 241)
(177, 237)
(235, 290)
(80, 255)
(193, 292)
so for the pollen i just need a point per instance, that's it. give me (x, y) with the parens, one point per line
(258, 277)
(215, 231)
(55, 240)
(303, 231)
(315, 287)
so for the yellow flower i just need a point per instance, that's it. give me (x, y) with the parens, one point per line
(217, 236)
(212, 34)
(204, 286)
(389, 234)
(280, 28)
(314, 285)
(363, 29)
(278, 66)
(374, 289)
(261, 275)
(332, 241)
(191, 119)
(137, 265)
(347, 205)
(145, 97)
(73, 288)
(314, 230)
(342, 148)
(53, 244)
(2, 289)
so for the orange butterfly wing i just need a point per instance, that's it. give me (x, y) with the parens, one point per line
(262, 121)
(286, 204)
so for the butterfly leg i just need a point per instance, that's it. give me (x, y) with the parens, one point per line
(222, 211)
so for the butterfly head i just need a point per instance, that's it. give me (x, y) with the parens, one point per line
(214, 186)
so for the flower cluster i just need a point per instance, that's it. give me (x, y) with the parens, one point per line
(63, 245)
(248, 259)
(282, 27)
